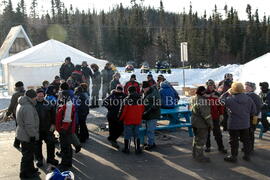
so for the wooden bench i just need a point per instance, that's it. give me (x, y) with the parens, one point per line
(186, 114)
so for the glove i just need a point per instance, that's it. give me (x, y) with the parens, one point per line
(32, 139)
(254, 120)
(52, 128)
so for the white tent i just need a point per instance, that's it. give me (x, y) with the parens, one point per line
(42, 62)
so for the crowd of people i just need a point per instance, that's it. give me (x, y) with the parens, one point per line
(234, 106)
(62, 106)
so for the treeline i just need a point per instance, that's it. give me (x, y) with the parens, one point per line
(142, 33)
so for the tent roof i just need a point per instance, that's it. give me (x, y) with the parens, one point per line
(50, 53)
(14, 33)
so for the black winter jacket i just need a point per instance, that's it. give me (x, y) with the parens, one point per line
(113, 103)
(46, 114)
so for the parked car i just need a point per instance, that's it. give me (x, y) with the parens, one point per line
(129, 67)
(145, 68)
(163, 67)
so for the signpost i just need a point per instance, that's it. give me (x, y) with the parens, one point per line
(184, 58)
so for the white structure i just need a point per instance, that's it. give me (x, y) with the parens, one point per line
(42, 62)
(16, 41)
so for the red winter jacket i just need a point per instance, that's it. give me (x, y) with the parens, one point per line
(216, 108)
(132, 83)
(65, 125)
(132, 114)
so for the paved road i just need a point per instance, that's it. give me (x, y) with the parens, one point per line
(171, 160)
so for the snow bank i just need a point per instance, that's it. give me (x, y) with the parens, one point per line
(192, 76)
(257, 70)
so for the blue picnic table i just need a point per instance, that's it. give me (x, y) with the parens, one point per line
(261, 127)
(185, 114)
(180, 112)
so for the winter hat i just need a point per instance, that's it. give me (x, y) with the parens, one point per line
(133, 76)
(31, 93)
(84, 63)
(200, 90)
(45, 83)
(40, 90)
(228, 76)
(150, 75)
(210, 82)
(161, 77)
(237, 88)
(119, 87)
(68, 59)
(132, 89)
(251, 84)
(19, 84)
(264, 85)
(145, 84)
(57, 78)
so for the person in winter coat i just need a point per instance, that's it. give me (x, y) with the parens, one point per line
(265, 97)
(113, 103)
(66, 125)
(77, 75)
(169, 100)
(19, 91)
(66, 69)
(45, 85)
(151, 80)
(87, 73)
(65, 89)
(223, 87)
(217, 111)
(96, 85)
(151, 113)
(46, 113)
(82, 110)
(162, 79)
(115, 81)
(241, 107)
(132, 82)
(201, 121)
(51, 95)
(27, 132)
(131, 115)
(56, 82)
(107, 76)
(250, 91)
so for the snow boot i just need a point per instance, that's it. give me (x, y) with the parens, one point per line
(126, 149)
(137, 143)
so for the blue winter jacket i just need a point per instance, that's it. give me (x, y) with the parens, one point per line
(169, 96)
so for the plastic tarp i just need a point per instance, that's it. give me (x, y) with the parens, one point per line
(42, 62)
